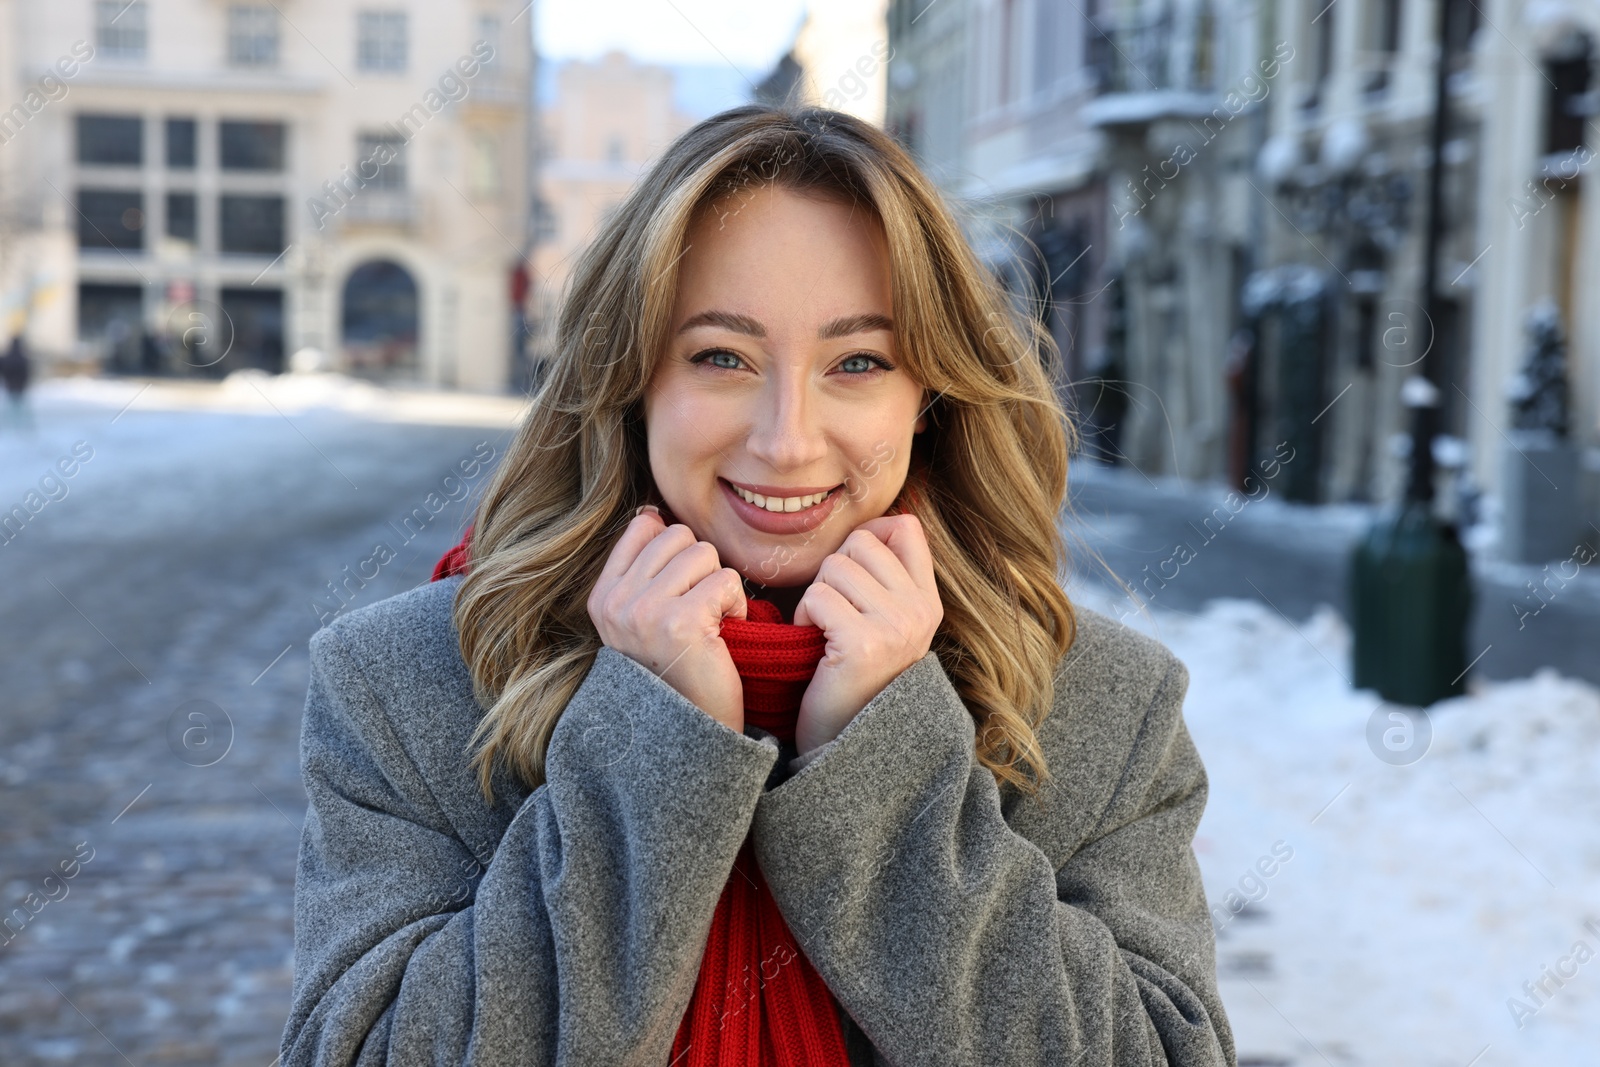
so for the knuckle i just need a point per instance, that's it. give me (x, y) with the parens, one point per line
(632, 616)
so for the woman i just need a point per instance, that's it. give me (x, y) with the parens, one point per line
(751, 724)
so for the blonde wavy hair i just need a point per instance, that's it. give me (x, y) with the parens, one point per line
(987, 478)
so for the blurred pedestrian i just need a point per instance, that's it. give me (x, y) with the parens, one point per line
(16, 369)
(151, 356)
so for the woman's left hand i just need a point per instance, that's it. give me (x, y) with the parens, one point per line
(878, 605)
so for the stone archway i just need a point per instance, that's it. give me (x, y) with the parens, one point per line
(378, 320)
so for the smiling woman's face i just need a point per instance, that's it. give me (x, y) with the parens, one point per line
(780, 417)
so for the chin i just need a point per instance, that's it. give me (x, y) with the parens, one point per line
(775, 565)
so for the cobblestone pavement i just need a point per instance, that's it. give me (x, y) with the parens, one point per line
(181, 566)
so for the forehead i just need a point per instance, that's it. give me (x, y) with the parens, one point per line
(788, 254)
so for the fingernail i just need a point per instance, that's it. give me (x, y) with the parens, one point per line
(642, 508)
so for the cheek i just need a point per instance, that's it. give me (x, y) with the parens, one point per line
(683, 433)
(880, 460)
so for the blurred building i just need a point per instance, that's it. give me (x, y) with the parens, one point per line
(187, 178)
(1538, 237)
(608, 120)
(1219, 208)
(839, 60)
(1099, 172)
(1337, 319)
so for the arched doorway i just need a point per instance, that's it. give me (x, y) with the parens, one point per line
(378, 320)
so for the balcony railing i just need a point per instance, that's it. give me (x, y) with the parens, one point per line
(1152, 54)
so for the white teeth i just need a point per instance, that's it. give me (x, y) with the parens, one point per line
(782, 503)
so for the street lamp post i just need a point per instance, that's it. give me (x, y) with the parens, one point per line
(1410, 586)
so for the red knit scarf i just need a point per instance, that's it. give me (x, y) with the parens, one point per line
(757, 999)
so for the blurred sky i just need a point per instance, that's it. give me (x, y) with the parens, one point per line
(717, 47)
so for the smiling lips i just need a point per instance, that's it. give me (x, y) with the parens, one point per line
(780, 509)
(784, 503)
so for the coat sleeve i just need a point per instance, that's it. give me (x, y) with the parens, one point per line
(578, 941)
(952, 939)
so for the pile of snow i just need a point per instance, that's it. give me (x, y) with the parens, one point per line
(1430, 913)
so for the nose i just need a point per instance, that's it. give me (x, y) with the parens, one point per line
(786, 430)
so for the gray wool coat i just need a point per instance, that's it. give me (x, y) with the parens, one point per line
(955, 922)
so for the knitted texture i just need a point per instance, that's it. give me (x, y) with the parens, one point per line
(454, 561)
(757, 1000)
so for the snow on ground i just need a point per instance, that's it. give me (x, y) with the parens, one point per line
(257, 392)
(1418, 898)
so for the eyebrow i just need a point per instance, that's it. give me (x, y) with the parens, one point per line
(840, 327)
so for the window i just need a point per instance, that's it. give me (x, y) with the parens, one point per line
(252, 225)
(483, 170)
(1461, 24)
(180, 144)
(111, 140)
(1381, 27)
(372, 150)
(181, 217)
(544, 220)
(252, 145)
(107, 310)
(489, 33)
(1321, 30)
(1568, 101)
(252, 36)
(110, 218)
(119, 28)
(381, 40)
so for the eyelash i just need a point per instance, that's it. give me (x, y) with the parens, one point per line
(881, 364)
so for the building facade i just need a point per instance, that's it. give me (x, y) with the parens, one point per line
(1339, 317)
(1222, 208)
(1091, 153)
(609, 119)
(196, 187)
(1538, 234)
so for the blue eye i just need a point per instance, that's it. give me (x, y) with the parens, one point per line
(863, 364)
(719, 358)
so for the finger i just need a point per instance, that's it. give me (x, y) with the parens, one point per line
(722, 590)
(825, 607)
(854, 582)
(865, 548)
(685, 570)
(903, 535)
(640, 531)
(661, 550)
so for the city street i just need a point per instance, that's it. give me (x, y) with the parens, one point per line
(182, 565)
(154, 651)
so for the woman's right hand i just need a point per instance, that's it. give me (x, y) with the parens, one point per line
(660, 600)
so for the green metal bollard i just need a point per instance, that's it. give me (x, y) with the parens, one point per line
(1411, 601)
